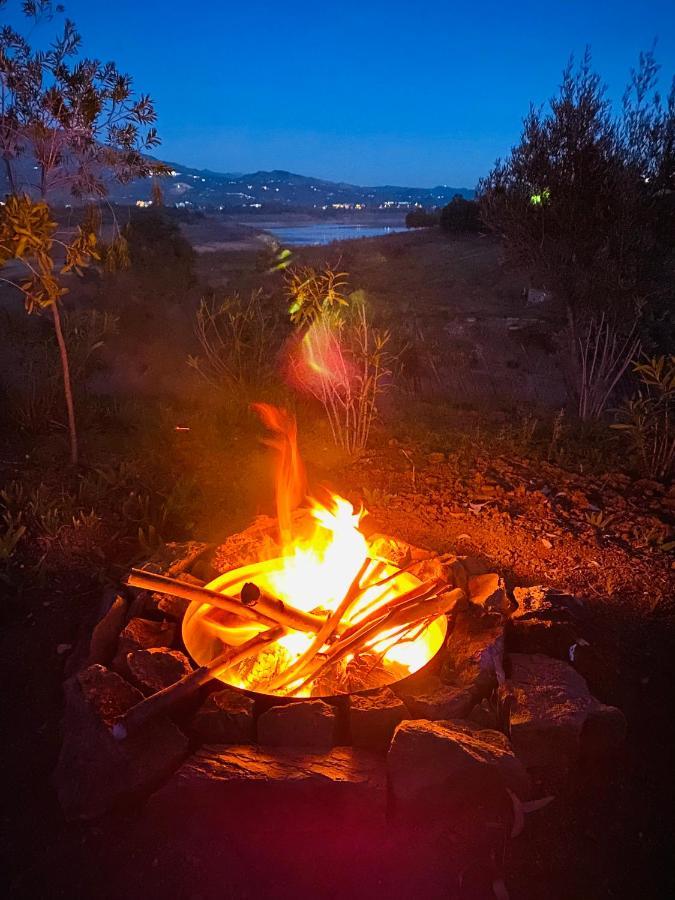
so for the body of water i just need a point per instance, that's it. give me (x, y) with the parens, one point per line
(315, 234)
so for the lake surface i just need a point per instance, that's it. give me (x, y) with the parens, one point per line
(313, 235)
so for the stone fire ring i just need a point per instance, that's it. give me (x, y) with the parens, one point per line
(503, 707)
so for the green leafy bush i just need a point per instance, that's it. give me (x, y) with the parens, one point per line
(646, 419)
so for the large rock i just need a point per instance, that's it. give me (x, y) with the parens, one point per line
(142, 634)
(155, 669)
(489, 592)
(544, 621)
(373, 718)
(305, 723)
(225, 717)
(475, 649)
(95, 773)
(433, 764)
(274, 788)
(248, 546)
(554, 717)
(433, 699)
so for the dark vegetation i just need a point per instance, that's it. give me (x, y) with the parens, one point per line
(463, 389)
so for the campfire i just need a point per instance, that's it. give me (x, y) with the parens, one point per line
(322, 615)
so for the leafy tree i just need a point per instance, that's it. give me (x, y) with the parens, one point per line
(585, 200)
(82, 124)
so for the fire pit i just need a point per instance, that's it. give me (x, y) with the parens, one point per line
(325, 616)
(386, 624)
(347, 662)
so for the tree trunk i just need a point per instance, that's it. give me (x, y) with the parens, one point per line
(10, 175)
(67, 387)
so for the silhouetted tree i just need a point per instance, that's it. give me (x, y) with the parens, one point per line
(585, 200)
(82, 124)
(460, 215)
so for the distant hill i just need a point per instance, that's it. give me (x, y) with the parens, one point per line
(271, 191)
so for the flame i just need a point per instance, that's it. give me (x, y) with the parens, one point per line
(322, 553)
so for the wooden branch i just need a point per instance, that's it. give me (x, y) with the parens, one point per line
(324, 634)
(406, 614)
(163, 700)
(268, 610)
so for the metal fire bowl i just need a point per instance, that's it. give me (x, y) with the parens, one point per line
(203, 646)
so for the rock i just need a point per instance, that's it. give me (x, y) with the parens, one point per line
(373, 718)
(273, 793)
(432, 699)
(142, 634)
(305, 723)
(104, 637)
(554, 717)
(538, 602)
(95, 773)
(247, 546)
(484, 715)
(475, 649)
(174, 607)
(434, 764)
(225, 717)
(489, 592)
(390, 549)
(545, 621)
(153, 670)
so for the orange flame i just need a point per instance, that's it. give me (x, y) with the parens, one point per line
(291, 481)
(320, 559)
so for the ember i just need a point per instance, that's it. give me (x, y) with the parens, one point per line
(325, 616)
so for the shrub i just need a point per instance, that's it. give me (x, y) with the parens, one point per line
(646, 419)
(339, 357)
(158, 252)
(240, 338)
(460, 215)
(422, 218)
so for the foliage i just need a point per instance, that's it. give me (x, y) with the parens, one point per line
(339, 357)
(80, 121)
(586, 201)
(240, 338)
(158, 252)
(646, 419)
(78, 117)
(460, 215)
(604, 355)
(422, 218)
(314, 293)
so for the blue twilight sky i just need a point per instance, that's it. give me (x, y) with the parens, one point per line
(415, 93)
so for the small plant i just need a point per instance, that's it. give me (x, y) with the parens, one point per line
(646, 419)
(599, 519)
(340, 358)
(238, 337)
(604, 355)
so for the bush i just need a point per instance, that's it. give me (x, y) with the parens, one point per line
(158, 252)
(647, 418)
(422, 218)
(460, 215)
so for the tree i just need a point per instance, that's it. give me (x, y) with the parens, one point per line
(585, 200)
(81, 124)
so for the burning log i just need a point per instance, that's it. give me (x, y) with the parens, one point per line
(325, 632)
(265, 609)
(163, 700)
(402, 615)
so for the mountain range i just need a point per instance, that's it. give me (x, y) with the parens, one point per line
(273, 191)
